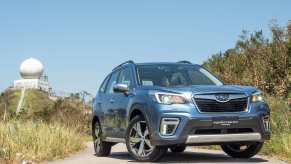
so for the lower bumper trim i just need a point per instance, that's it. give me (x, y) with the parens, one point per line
(223, 138)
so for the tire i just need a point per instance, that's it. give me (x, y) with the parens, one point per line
(236, 151)
(138, 142)
(178, 149)
(101, 147)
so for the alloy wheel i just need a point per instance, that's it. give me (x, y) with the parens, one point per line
(139, 139)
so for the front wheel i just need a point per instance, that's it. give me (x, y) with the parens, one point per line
(138, 142)
(242, 150)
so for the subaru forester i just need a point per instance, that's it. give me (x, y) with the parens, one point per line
(153, 107)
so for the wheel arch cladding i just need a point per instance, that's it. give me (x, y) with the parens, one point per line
(137, 109)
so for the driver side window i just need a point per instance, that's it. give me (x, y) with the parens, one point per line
(125, 77)
(112, 82)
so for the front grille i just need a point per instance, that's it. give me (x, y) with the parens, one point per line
(234, 105)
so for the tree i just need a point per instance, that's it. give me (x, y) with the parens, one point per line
(256, 60)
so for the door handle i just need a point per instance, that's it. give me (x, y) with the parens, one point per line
(111, 100)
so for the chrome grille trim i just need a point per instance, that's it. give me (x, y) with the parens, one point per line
(211, 96)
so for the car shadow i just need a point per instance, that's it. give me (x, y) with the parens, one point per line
(191, 157)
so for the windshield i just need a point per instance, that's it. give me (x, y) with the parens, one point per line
(170, 75)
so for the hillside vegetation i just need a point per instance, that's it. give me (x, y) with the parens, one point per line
(36, 104)
(258, 61)
(44, 129)
(266, 64)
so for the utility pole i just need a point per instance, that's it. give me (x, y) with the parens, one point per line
(84, 95)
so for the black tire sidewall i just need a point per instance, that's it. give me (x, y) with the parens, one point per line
(248, 153)
(105, 147)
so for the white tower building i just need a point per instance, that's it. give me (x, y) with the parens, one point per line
(31, 71)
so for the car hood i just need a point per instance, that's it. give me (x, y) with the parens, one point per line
(204, 89)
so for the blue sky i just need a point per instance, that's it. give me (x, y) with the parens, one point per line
(81, 41)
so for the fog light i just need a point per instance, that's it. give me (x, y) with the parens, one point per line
(266, 122)
(169, 126)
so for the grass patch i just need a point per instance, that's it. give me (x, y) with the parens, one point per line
(37, 141)
(44, 130)
(278, 146)
(280, 143)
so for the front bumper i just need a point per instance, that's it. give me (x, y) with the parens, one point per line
(200, 129)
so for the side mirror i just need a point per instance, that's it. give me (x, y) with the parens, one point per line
(121, 88)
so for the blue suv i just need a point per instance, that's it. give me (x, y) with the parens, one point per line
(153, 107)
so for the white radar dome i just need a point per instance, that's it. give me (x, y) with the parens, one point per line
(31, 69)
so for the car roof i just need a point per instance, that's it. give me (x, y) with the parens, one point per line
(165, 63)
(154, 63)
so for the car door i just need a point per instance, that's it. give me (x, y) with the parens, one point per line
(121, 102)
(108, 106)
(99, 102)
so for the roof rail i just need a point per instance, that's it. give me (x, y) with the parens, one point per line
(127, 62)
(184, 61)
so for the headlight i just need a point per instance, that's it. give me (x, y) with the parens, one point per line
(257, 96)
(169, 98)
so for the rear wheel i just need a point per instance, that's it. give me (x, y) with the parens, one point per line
(101, 147)
(138, 141)
(178, 149)
(242, 150)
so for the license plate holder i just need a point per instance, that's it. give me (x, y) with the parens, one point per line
(225, 122)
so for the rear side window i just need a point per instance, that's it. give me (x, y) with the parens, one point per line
(104, 84)
(112, 82)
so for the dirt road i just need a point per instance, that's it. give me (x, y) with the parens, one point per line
(119, 155)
